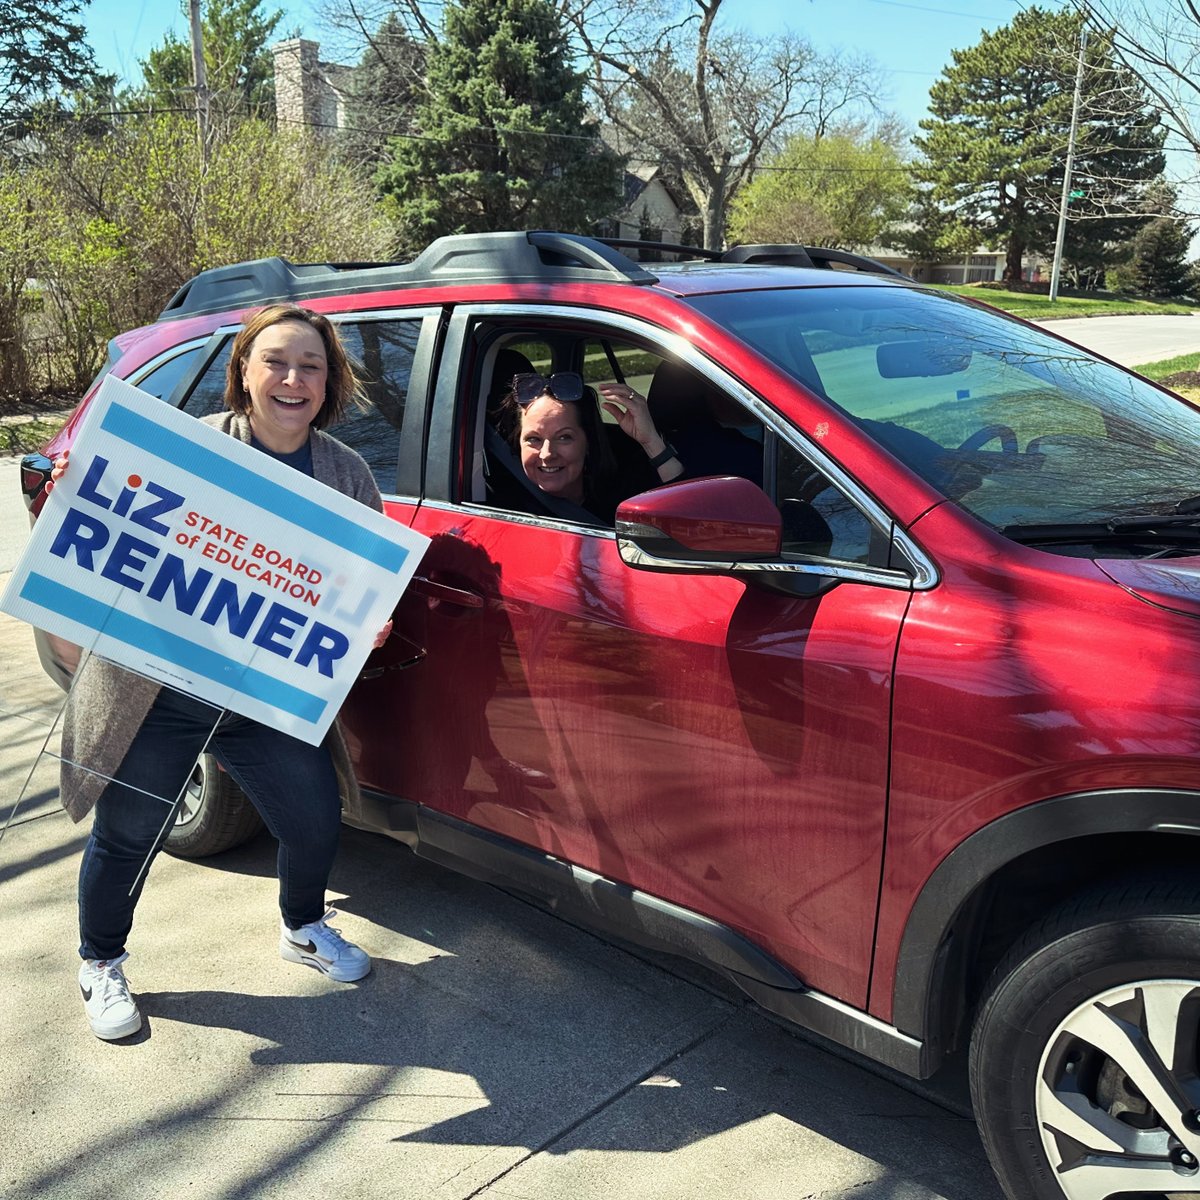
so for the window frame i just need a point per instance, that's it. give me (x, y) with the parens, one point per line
(410, 442)
(451, 441)
(164, 358)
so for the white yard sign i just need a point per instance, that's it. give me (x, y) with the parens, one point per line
(181, 553)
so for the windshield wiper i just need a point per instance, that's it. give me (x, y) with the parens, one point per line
(1185, 512)
(1180, 519)
(1170, 528)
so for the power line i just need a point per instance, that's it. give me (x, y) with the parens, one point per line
(408, 135)
(945, 12)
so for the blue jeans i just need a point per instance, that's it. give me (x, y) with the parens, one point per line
(292, 785)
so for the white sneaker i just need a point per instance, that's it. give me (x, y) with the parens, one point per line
(110, 1008)
(319, 945)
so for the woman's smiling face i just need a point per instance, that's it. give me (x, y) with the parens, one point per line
(554, 447)
(284, 375)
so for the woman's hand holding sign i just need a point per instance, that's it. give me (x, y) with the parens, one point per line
(60, 467)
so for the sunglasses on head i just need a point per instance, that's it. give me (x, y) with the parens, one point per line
(566, 386)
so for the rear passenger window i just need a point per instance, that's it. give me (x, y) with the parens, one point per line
(382, 353)
(161, 381)
(208, 396)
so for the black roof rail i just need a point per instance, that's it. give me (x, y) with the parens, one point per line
(663, 247)
(807, 256)
(776, 256)
(534, 256)
(779, 256)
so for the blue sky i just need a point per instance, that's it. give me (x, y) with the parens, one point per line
(910, 39)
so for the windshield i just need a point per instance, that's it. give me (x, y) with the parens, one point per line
(1017, 427)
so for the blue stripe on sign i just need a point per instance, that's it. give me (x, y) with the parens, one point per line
(182, 452)
(172, 648)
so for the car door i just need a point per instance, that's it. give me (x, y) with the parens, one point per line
(700, 737)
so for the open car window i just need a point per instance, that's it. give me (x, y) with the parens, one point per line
(711, 431)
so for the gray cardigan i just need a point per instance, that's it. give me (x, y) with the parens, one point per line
(107, 704)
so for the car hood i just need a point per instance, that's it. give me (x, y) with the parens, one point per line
(1174, 585)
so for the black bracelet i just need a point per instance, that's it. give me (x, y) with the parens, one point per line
(663, 456)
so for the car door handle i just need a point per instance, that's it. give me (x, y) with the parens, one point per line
(445, 593)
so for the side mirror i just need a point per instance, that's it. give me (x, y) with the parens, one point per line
(723, 521)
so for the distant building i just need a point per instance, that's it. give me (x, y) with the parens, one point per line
(654, 211)
(315, 93)
(980, 266)
(308, 91)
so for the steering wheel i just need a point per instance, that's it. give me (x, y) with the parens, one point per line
(981, 437)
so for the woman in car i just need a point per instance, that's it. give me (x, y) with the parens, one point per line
(564, 450)
(129, 746)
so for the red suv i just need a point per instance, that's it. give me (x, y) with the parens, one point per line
(891, 716)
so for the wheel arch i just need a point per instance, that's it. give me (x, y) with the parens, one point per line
(997, 882)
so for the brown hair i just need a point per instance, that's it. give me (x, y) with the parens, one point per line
(600, 464)
(342, 385)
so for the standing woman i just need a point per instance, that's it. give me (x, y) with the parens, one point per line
(129, 744)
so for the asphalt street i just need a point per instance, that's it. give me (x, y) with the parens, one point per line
(495, 1051)
(1132, 341)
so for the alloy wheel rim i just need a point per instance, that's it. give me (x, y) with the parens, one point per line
(189, 804)
(1118, 1093)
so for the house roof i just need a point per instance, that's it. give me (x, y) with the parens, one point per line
(639, 176)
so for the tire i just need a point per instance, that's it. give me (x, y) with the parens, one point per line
(215, 814)
(1084, 1065)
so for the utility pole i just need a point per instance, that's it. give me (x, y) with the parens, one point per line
(200, 78)
(1056, 269)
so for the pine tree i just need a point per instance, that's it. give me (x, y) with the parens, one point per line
(995, 148)
(241, 71)
(1158, 265)
(42, 54)
(505, 141)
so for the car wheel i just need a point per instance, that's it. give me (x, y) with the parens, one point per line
(1084, 1065)
(214, 816)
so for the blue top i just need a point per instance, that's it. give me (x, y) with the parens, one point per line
(300, 459)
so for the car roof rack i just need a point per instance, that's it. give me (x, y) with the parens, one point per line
(663, 248)
(807, 256)
(778, 256)
(535, 256)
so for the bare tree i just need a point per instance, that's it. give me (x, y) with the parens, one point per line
(387, 44)
(350, 29)
(677, 87)
(1159, 40)
(706, 100)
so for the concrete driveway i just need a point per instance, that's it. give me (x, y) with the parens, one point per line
(1131, 341)
(495, 1051)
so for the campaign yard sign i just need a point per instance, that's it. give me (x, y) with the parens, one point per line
(175, 550)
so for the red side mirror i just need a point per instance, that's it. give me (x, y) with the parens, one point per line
(721, 518)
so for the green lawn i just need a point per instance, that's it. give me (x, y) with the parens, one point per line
(1030, 306)
(25, 436)
(1169, 366)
